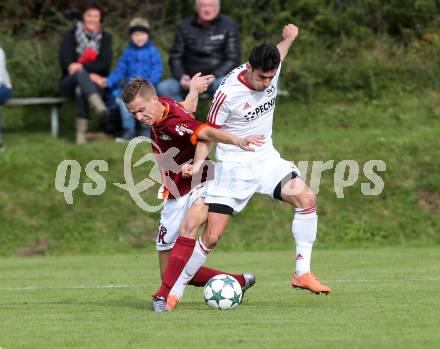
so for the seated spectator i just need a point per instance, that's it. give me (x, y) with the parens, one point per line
(85, 49)
(5, 81)
(140, 59)
(207, 42)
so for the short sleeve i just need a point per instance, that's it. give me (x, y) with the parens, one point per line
(277, 75)
(219, 110)
(186, 127)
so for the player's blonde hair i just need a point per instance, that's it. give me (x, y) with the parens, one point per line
(138, 87)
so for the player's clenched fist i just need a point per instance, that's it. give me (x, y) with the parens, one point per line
(187, 170)
(290, 31)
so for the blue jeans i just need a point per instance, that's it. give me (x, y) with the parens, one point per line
(171, 88)
(128, 120)
(5, 93)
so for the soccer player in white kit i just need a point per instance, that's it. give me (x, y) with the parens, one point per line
(244, 105)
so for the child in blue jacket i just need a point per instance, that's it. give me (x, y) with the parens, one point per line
(140, 59)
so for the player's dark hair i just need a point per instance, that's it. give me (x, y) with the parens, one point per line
(265, 57)
(91, 5)
(135, 87)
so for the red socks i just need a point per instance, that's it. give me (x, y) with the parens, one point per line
(177, 260)
(204, 274)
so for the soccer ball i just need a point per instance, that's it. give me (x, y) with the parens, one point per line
(223, 292)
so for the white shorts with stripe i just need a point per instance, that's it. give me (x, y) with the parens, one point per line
(235, 183)
(172, 214)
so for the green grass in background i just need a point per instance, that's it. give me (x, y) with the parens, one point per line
(401, 128)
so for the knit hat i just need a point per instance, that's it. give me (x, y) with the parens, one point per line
(139, 24)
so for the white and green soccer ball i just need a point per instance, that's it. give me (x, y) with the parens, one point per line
(223, 292)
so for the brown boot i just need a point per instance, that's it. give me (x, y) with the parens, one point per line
(98, 105)
(81, 128)
(97, 136)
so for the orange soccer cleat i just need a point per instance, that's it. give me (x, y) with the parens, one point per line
(310, 282)
(172, 302)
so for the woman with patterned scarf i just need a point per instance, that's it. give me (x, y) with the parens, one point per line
(85, 49)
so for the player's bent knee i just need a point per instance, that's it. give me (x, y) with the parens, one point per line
(189, 228)
(212, 237)
(216, 225)
(213, 241)
(307, 200)
(190, 234)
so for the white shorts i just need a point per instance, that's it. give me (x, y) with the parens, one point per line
(235, 183)
(172, 214)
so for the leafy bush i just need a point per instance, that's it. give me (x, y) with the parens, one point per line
(353, 46)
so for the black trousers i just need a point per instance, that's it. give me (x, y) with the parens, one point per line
(80, 85)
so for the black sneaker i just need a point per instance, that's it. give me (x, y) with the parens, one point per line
(249, 281)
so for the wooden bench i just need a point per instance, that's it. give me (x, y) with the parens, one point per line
(53, 102)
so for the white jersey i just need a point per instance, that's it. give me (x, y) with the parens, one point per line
(239, 109)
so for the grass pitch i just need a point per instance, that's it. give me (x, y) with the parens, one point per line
(383, 298)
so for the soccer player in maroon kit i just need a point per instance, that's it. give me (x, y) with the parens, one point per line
(184, 211)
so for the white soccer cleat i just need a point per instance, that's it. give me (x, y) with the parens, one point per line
(159, 304)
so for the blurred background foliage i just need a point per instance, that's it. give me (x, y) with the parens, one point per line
(358, 48)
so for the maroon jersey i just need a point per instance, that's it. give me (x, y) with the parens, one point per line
(176, 129)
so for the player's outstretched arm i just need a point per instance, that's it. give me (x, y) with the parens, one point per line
(206, 138)
(198, 84)
(209, 135)
(203, 148)
(219, 136)
(289, 34)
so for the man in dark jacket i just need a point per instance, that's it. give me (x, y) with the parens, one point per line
(207, 42)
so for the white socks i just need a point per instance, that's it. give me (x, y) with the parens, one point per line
(195, 262)
(304, 228)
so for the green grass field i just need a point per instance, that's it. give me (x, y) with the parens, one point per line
(383, 298)
(364, 84)
(90, 289)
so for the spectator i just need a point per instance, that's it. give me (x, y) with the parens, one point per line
(5, 81)
(85, 49)
(140, 59)
(207, 42)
